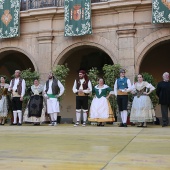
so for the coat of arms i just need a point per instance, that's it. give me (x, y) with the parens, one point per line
(6, 17)
(76, 12)
(166, 3)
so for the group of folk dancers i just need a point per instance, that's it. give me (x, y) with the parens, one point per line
(142, 110)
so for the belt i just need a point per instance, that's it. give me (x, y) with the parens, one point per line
(119, 92)
(81, 94)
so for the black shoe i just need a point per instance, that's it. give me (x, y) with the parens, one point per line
(36, 124)
(141, 125)
(132, 124)
(121, 125)
(102, 124)
(164, 125)
(19, 124)
(125, 125)
(13, 123)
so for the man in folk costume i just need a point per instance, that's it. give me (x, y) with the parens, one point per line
(17, 87)
(53, 89)
(121, 88)
(82, 87)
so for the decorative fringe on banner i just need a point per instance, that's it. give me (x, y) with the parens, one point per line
(9, 18)
(161, 11)
(77, 17)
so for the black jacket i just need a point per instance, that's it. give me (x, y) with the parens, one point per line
(163, 92)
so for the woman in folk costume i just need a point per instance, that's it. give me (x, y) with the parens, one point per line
(142, 109)
(4, 100)
(35, 111)
(100, 110)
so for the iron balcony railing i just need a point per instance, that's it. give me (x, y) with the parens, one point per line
(34, 4)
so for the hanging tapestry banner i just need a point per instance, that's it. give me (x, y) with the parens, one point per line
(9, 18)
(77, 17)
(161, 11)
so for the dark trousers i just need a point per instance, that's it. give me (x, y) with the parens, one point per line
(164, 110)
(16, 104)
(122, 101)
(82, 102)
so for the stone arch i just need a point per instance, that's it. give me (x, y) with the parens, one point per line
(96, 41)
(21, 51)
(149, 42)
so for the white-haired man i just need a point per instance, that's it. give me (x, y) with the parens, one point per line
(163, 92)
(17, 87)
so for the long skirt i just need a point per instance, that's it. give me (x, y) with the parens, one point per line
(142, 110)
(35, 111)
(3, 107)
(101, 111)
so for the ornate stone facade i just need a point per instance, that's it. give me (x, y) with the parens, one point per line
(121, 28)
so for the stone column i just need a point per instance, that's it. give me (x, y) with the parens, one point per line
(45, 37)
(45, 56)
(126, 51)
(126, 33)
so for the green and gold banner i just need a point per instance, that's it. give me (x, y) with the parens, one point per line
(161, 11)
(77, 17)
(9, 18)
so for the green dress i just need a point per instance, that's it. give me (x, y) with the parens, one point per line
(100, 110)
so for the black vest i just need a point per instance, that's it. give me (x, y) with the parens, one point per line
(55, 88)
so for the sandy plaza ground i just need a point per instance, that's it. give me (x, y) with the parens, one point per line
(65, 147)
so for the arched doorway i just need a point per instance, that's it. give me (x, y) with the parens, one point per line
(156, 60)
(82, 57)
(12, 60)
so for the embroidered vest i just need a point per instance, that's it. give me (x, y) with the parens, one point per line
(85, 84)
(140, 92)
(19, 85)
(122, 83)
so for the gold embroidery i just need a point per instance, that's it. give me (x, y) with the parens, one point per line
(6, 17)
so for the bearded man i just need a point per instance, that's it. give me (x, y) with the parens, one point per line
(82, 87)
(53, 89)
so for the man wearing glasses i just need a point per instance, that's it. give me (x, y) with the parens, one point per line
(121, 88)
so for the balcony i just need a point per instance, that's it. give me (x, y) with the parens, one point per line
(34, 4)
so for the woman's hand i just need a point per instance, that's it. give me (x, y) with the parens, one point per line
(145, 93)
(107, 97)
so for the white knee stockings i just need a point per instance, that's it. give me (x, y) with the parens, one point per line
(19, 116)
(124, 116)
(78, 116)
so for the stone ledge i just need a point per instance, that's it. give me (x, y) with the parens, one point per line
(45, 39)
(126, 33)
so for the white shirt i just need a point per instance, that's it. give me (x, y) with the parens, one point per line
(61, 87)
(16, 81)
(127, 90)
(75, 90)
